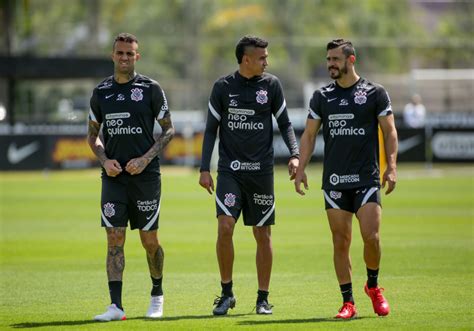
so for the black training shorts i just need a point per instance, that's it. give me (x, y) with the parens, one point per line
(135, 198)
(249, 193)
(351, 200)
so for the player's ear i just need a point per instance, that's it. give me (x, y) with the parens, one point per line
(138, 56)
(352, 59)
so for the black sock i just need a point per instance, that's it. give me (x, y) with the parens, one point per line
(346, 291)
(372, 276)
(227, 289)
(157, 289)
(115, 290)
(262, 296)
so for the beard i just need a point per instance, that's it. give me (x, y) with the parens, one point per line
(339, 72)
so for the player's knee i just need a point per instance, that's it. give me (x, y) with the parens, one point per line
(341, 242)
(262, 235)
(225, 231)
(150, 245)
(115, 239)
(372, 238)
(226, 227)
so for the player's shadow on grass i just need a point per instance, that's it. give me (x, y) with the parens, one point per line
(191, 317)
(30, 325)
(298, 320)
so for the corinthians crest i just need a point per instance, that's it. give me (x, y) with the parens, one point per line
(229, 199)
(360, 97)
(137, 94)
(109, 210)
(262, 97)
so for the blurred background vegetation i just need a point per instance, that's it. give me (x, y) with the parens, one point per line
(187, 44)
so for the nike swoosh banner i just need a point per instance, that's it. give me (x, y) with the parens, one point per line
(411, 145)
(32, 152)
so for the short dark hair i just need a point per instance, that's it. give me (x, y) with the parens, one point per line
(126, 37)
(248, 41)
(347, 47)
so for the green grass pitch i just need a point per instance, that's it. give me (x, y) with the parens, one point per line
(52, 256)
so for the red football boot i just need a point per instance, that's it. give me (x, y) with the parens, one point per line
(379, 303)
(347, 311)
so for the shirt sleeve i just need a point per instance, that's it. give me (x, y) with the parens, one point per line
(384, 105)
(94, 113)
(284, 125)
(314, 111)
(214, 112)
(159, 103)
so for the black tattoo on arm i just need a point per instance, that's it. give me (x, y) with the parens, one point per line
(155, 263)
(94, 141)
(163, 140)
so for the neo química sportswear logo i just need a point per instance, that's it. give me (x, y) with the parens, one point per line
(114, 123)
(237, 120)
(338, 126)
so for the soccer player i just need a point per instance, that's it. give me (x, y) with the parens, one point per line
(350, 110)
(241, 106)
(126, 106)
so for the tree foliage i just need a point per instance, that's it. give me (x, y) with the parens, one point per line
(190, 43)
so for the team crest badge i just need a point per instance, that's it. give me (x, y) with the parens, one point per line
(360, 97)
(229, 200)
(137, 94)
(335, 194)
(262, 97)
(109, 210)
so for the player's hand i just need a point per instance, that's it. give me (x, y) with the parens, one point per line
(136, 166)
(112, 167)
(390, 178)
(292, 167)
(205, 180)
(300, 177)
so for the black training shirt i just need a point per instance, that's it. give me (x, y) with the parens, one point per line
(242, 109)
(350, 131)
(127, 113)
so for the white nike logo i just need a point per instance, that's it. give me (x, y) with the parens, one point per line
(148, 217)
(16, 155)
(264, 211)
(329, 100)
(110, 95)
(409, 143)
(233, 95)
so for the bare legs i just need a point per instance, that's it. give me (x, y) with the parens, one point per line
(115, 253)
(154, 253)
(340, 222)
(225, 251)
